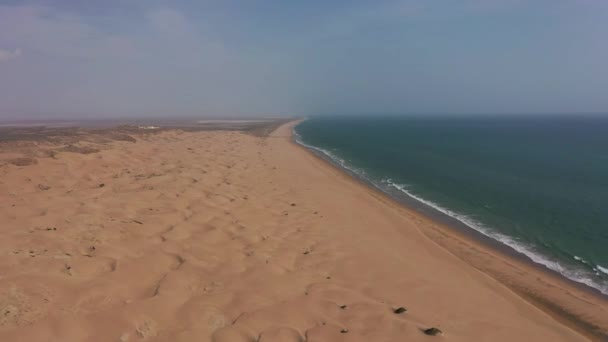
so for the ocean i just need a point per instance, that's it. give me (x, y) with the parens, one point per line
(536, 183)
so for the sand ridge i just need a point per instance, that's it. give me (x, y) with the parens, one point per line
(224, 236)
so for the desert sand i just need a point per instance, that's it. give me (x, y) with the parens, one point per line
(227, 236)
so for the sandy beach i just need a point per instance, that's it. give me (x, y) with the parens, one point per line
(227, 236)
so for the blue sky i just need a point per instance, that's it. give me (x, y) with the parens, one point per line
(119, 58)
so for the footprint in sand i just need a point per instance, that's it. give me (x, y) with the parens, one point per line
(146, 328)
(281, 334)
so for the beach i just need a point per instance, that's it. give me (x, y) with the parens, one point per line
(221, 235)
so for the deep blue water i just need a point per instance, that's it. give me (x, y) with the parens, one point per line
(536, 183)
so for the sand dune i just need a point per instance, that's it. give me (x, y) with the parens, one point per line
(224, 236)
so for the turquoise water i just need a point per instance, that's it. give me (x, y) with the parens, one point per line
(536, 183)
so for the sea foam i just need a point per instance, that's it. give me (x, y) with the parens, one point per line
(580, 276)
(334, 158)
(602, 269)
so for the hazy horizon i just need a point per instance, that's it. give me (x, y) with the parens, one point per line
(153, 59)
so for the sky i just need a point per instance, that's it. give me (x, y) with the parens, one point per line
(229, 58)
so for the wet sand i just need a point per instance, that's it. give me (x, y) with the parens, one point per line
(225, 236)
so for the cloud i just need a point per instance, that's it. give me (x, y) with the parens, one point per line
(51, 33)
(6, 55)
(169, 21)
(152, 61)
(162, 57)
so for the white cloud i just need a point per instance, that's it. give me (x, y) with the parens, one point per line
(6, 55)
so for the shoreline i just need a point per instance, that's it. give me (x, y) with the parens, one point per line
(446, 224)
(236, 235)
